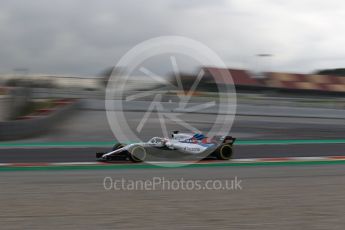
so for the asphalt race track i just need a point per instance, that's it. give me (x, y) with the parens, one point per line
(273, 195)
(298, 197)
(26, 155)
(56, 146)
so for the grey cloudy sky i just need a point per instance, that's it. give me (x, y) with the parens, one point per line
(86, 36)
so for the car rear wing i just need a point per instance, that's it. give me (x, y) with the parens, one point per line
(229, 140)
(224, 139)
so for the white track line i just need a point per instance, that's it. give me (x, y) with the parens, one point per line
(239, 161)
(75, 163)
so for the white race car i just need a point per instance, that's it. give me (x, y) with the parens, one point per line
(219, 147)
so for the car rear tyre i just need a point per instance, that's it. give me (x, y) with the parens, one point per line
(224, 152)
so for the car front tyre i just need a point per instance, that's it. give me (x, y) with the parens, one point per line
(137, 154)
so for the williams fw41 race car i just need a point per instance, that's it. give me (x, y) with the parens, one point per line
(182, 144)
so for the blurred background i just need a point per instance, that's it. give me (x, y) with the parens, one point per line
(282, 54)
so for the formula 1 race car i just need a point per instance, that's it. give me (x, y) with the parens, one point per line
(219, 147)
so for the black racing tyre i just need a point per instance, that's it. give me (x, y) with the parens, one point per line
(117, 146)
(224, 152)
(137, 154)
